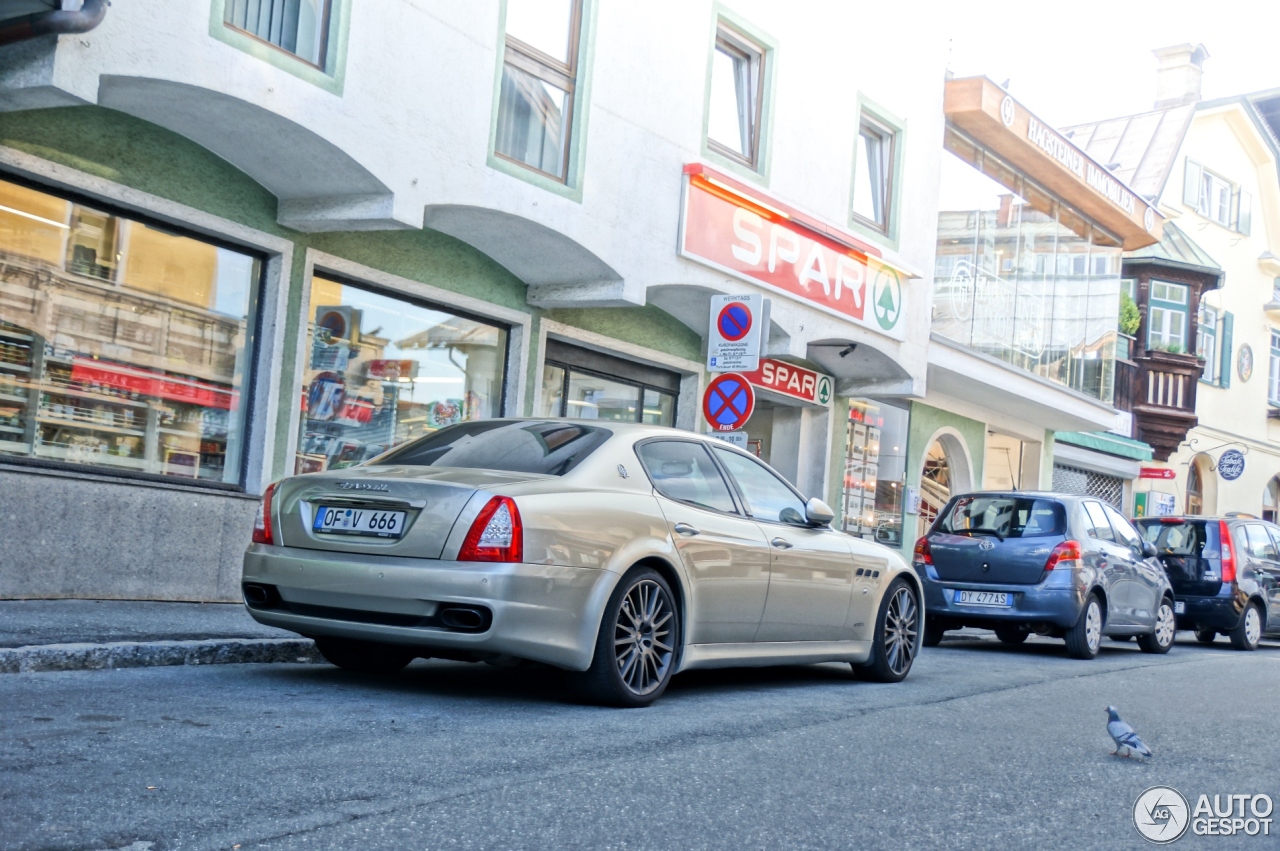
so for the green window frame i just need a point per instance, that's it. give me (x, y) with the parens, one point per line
(1167, 317)
(881, 174)
(573, 77)
(1207, 342)
(1273, 375)
(756, 51)
(329, 73)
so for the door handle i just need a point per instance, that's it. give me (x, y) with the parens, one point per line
(781, 543)
(685, 529)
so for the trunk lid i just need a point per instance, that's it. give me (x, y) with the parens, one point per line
(430, 497)
(996, 539)
(1191, 552)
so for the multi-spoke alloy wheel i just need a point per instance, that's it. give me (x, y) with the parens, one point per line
(897, 636)
(642, 637)
(1160, 640)
(636, 648)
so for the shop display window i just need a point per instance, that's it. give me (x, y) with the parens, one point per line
(123, 345)
(589, 385)
(874, 471)
(381, 370)
(1022, 277)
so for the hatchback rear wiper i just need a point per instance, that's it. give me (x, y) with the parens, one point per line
(973, 532)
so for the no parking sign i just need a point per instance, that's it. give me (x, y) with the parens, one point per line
(733, 341)
(728, 402)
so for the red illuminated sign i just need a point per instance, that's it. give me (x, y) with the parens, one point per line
(791, 380)
(759, 240)
(1156, 473)
(147, 383)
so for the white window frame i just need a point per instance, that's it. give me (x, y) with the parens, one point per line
(738, 46)
(883, 175)
(1273, 377)
(1215, 198)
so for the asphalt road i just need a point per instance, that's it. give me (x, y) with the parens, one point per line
(982, 747)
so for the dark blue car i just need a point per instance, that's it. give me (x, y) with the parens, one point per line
(1055, 564)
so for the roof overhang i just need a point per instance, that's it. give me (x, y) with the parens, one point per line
(961, 373)
(991, 116)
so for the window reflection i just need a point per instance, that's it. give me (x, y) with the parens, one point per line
(1022, 277)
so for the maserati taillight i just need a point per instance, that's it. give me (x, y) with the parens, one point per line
(496, 534)
(262, 531)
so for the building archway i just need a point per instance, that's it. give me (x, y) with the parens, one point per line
(946, 469)
(1271, 500)
(1202, 486)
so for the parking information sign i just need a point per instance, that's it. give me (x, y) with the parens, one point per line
(733, 343)
(728, 402)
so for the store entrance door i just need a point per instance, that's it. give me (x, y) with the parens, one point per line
(792, 438)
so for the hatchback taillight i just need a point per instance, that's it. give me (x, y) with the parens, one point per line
(496, 535)
(262, 531)
(1065, 555)
(1228, 552)
(923, 555)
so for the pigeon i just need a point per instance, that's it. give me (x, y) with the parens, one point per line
(1124, 735)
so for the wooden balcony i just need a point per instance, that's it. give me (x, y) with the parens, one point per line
(1159, 389)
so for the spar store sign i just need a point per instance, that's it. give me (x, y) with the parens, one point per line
(727, 228)
(791, 380)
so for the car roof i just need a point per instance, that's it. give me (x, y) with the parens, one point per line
(1032, 494)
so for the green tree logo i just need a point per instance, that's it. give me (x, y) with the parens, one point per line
(824, 390)
(887, 298)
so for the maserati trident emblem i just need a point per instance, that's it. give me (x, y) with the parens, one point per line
(363, 486)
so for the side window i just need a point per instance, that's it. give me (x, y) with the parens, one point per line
(768, 497)
(1098, 519)
(1260, 545)
(1275, 537)
(683, 471)
(1124, 530)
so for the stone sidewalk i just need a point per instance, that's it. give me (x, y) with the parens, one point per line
(64, 635)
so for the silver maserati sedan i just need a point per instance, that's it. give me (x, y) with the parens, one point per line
(623, 552)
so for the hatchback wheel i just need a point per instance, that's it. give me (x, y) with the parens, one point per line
(897, 637)
(1206, 636)
(1085, 637)
(1249, 631)
(636, 648)
(933, 632)
(364, 657)
(1160, 639)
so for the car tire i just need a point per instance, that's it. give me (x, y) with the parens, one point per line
(1085, 637)
(1160, 639)
(364, 657)
(933, 632)
(1248, 632)
(1011, 635)
(897, 637)
(1206, 636)
(636, 648)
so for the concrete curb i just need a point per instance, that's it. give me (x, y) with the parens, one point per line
(147, 654)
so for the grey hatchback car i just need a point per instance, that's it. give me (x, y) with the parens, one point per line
(1055, 564)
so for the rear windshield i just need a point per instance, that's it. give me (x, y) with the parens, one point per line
(1004, 517)
(549, 448)
(1188, 538)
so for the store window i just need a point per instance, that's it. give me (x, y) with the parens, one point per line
(123, 345)
(539, 78)
(736, 101)
(1195, 489)
(935, 485)
(1022, 277)
(382, 369)
(300, 27)
(1167, 318)
(874, 471)
(873, 174)
(584, 384)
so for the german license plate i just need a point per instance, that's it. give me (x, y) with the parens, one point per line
(331, 520)
(984, 598)
(1180, 608)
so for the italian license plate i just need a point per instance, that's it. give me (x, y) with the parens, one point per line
(1179, 608)
(984, 598)
(331, 520)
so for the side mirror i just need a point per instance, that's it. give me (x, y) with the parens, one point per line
(1148, 550)
(818, 513)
